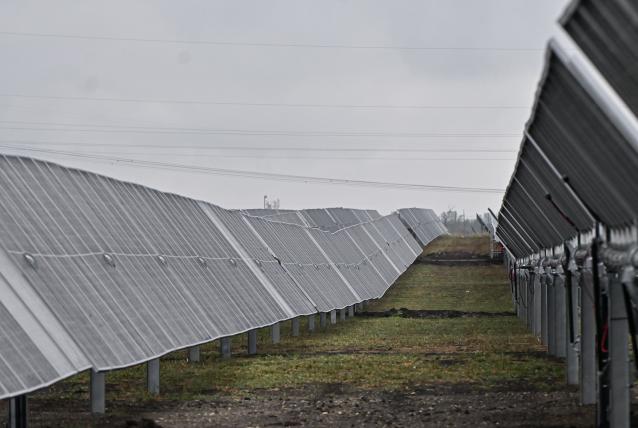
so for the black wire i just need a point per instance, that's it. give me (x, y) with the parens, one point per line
(262, 175)
(268, 44)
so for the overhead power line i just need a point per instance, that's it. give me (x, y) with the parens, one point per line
(262, 148)
(221, 43)
(264, 104)
(107, 129)
(263, 175)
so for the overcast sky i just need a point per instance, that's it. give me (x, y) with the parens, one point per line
(488, 53)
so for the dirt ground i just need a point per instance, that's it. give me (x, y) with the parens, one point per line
(453, 354)
(339, 405)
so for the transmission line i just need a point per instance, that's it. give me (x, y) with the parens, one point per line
(263, 175)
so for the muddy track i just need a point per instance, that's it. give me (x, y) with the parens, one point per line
(441, 314)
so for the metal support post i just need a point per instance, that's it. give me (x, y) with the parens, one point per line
(18, 412)
(619, 382)
(311, 322)
(295, 327)
(588, 370)
(224, 347)
(544, 311)
(98, 393)
(323, 320)
(153, 376)
(193, 354)
(551, 315)
(252, 342)
(342, 314)
(572, 333)
(537, 305)
(351, 311)
(275, 333)
(561, 316)
(333, 316)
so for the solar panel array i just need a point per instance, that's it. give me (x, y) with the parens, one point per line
(103, 274)
(577, 161)
(568, 218)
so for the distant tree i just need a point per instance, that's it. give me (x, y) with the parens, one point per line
(460, 224)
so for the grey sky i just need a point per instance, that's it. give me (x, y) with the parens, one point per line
(127, 69)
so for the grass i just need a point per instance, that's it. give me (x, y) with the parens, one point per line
(479, 288)
(365, 352)
(476, 245)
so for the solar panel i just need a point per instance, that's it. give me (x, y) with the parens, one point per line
(607, 31)
(423, 223)
(118, 274)
(573, 167)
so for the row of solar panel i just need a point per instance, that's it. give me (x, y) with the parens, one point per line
(578, 160)
(424, 224)
(98, 273)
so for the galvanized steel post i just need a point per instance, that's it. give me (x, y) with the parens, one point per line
(342, 314)
(252, 342)
(561, 314)
(537, 303)
(194, 354)
(333, 316)
(544, 310)
(351, 311)
(224, 347)
(275, 333)
(18, 412)
(551, 315)
(153, 376)
(295, 327)
(323, 320)
(311, 322)
(97, 393)
(588, 370)
(620, 398)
